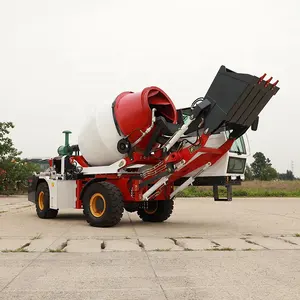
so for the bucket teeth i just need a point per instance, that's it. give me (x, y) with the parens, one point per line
(268, 81)
(274, 84)
(262, 78)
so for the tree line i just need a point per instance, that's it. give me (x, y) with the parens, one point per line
(261, 169)
(14, 171)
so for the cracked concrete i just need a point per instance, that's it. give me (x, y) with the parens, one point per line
(246, 249)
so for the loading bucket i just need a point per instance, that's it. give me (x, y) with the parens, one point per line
(236, 99)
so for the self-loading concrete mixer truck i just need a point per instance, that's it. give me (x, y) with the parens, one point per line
(138, 152)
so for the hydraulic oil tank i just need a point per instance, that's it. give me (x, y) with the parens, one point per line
(129, 115)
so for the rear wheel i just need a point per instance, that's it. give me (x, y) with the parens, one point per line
(157, 211)
(103, 204)
(42, 202)
(131, 206)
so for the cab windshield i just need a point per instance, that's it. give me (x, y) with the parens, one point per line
(238, 146)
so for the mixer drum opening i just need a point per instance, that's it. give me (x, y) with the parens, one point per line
(133, 112)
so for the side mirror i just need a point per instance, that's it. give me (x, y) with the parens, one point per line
(254, 125)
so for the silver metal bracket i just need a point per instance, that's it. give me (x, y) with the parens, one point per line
(189, 181)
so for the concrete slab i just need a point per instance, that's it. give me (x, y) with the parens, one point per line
(182, 275)
(13, 244)
(47, 244)
(11, 264)
(202, 217)
(196, 244)
(122, 245)
(106, 294)
(86, 245)
(159, 244)
(232, 292)
(236, 244)
(243, 274)
(150, 274)
(273, 243)
(25, 223)
(192, 217)
(85, 272)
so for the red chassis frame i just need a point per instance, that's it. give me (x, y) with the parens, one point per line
(130, 185)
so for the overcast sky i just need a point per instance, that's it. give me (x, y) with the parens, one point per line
(60, 59)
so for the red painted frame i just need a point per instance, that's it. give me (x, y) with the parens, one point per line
(129, 186)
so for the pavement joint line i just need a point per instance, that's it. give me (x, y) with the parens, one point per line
(132, 224)
(146, 253)
(287, 241)
(254, 243)
(21, 271)
(215, 243)
(176, 242)
(33, 260)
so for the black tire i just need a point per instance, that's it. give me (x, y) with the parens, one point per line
(103, 204)
(131, 206)
(42, 202)
(158, 211)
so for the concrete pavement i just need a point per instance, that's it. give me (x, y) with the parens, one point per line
(245, 249)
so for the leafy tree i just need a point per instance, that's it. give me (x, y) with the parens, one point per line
(287, 176)
(14, 171)
(248, 173)
(262, 168)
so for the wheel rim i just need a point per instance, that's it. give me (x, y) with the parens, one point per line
(151, 210)
(97, 205)
(41, 200)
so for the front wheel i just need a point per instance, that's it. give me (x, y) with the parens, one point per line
(42, 202)
(103, 204)
(156, 211)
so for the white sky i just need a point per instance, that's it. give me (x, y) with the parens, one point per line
(61, 58)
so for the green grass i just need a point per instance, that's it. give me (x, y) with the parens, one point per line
(159, 249)
(15, 250)
(254, 188)
(60, 249)
(220, 249)
(249, 189)
(21, 249)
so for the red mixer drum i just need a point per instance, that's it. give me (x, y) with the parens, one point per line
(133, 112)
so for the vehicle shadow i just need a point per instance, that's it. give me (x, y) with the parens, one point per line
(171, 223)
(70, 216)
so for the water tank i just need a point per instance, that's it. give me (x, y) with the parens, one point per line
(130, 114)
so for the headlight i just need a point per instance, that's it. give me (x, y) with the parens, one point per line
(236, 165)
